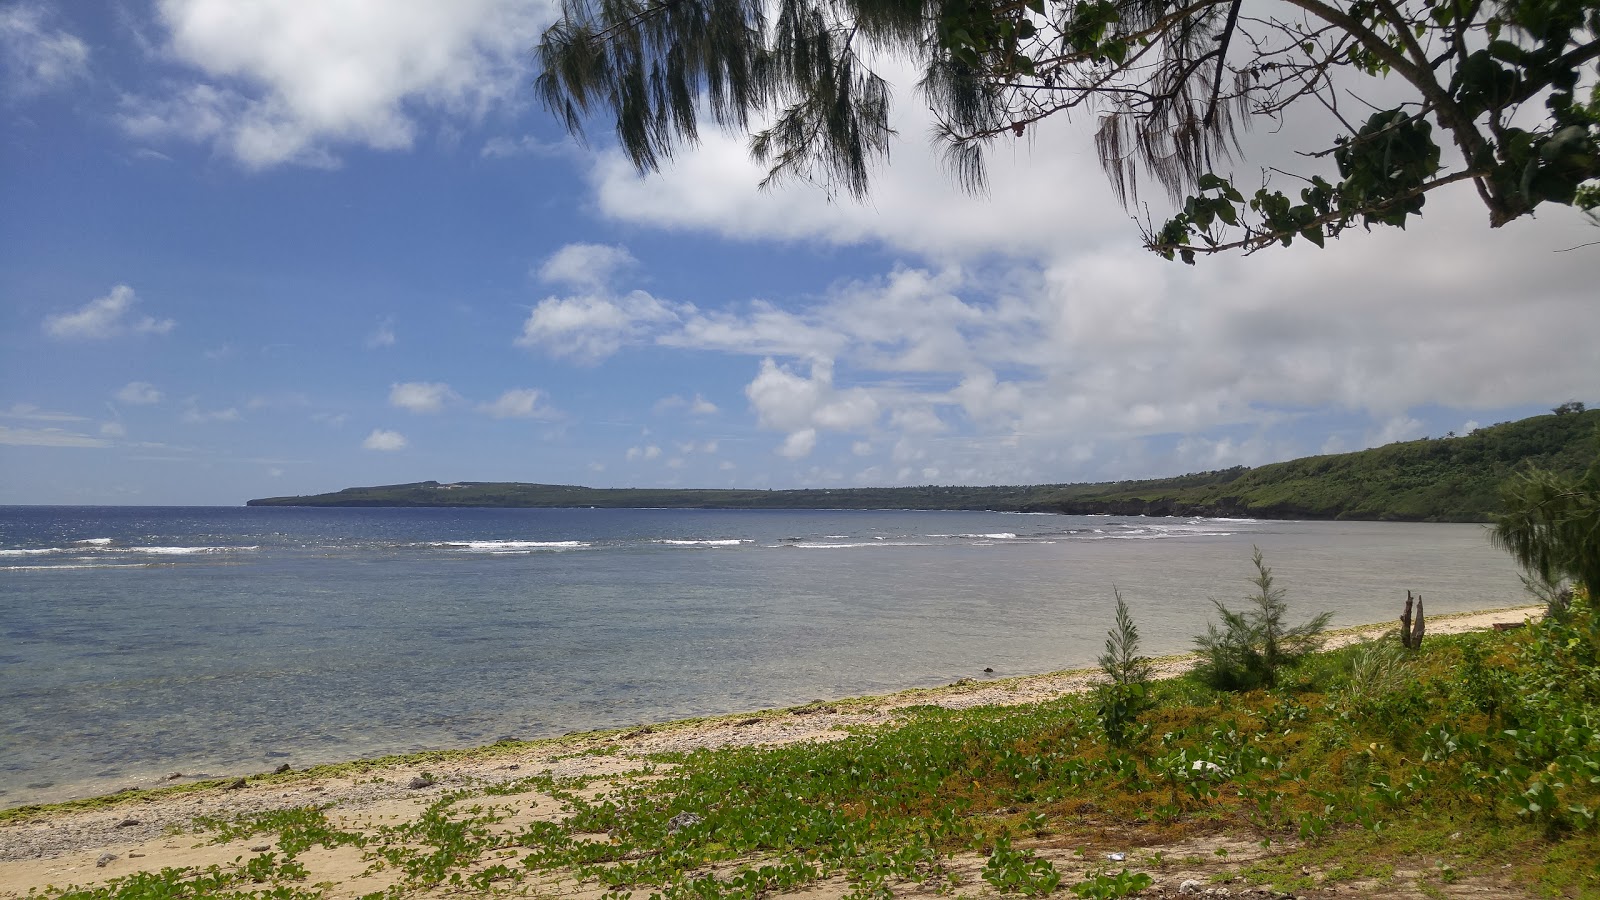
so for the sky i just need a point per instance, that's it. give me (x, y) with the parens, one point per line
(293, 246)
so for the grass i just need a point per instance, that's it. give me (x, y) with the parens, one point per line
(1364, 766)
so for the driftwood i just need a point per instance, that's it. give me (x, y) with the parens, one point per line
(1412, 628)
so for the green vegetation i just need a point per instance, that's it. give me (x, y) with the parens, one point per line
(1252, 647)
(1551, 526)
(1477, 752)
(1448, 479)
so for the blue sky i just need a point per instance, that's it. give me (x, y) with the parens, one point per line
(292, 246)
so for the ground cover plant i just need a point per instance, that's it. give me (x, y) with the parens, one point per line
(1479, 750)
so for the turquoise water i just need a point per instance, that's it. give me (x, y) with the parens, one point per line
(142, 641)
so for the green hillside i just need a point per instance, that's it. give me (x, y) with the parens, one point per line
(1449, 479)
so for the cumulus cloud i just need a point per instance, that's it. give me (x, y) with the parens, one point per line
(421, 396)
(798, 444)
(650, 451)
(381, 439)
(519, 403)
(590, 327)
(105, 317)
(799, 405)
(36, 56)
(138, 393)
(293, 82)
(586, 266)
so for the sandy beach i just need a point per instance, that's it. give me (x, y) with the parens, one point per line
(146, 831)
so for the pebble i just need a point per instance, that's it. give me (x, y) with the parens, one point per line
(1190, 886)
(260, 848)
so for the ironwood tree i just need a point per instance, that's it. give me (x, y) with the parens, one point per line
(1501, 94)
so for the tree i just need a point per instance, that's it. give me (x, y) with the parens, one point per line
(1127, 695)
(1551, 526)
(1252, 646)
(1510, 85)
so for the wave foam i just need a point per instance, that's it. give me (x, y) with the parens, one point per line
(720, 542)
(509, 546)
(183, 551)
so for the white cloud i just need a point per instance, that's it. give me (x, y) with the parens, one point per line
(105, 317)
(421, 396)
(293, 82)
(647, 452)
(519, 403)
(48, 437)
(526, 145)
(36, 57)
(587, 267)
(138, 393)
(380, 439)
(699, 407)
(798, 444)
(113, 429)
(591, 327)
(193, 415)
(383, 335)
(788, 402)
(1398, 428)
(35, 414)
(861, 448)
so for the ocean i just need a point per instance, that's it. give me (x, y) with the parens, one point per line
(139, 642)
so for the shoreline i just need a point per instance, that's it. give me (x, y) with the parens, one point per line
(827, 714)
(149, 829)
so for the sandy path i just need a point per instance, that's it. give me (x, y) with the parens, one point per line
(147, 832)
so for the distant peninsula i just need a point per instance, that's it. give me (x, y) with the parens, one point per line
(1447, 479)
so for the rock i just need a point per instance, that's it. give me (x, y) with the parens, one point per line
(174, 776)
(134, 854)
(421, 781)
(1191, 886)
(127, 823)
(260, 848)
(681, 821)
(987, 670)
(234, 786)
(281, 769)
(105, 859)
(750, 721)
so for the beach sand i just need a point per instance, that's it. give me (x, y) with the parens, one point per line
(148, 831)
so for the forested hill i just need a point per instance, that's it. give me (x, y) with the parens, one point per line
(1449, 479)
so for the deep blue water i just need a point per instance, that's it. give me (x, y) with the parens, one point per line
(140, 641)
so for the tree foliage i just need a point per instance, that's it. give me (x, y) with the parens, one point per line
(1499, 93)
(1551, 526)
(1252, 646)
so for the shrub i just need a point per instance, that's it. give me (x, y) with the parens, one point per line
(1120, 702)
(1252, 646)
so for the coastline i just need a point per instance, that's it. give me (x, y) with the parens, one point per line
(146, 830)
